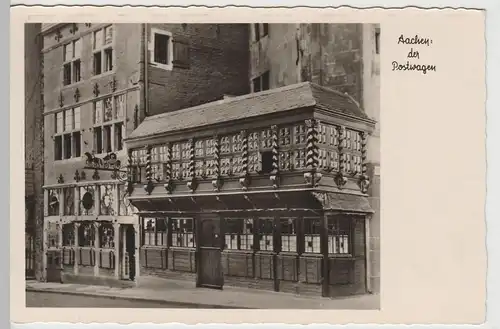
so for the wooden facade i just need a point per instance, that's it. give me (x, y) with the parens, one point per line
(266, 190)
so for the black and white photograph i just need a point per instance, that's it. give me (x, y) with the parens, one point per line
(220, 166)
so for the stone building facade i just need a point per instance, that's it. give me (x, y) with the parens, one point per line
(100, 82)
(344, 57)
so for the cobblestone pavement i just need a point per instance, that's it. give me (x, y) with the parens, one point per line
(50, 299)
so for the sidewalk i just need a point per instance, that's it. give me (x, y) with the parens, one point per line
(185, 294)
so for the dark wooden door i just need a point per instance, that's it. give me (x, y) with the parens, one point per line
(54, 266)
(209, 252)
(130, 249)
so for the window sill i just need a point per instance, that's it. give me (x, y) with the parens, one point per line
(153, 247)
(166, 67)
(183, 248)
(102, 75)
(72, 85)
(238, 251)
(70, 160)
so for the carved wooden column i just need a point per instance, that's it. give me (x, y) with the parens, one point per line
(191, 184)
(96, 248)
(245, 179)
(130, 173)
(312, 177)
(116, 238)
(77, 247)
(340, 178)
(169, 184)
(149, 174)
(364, 181)
(275, 157)
(216, 182)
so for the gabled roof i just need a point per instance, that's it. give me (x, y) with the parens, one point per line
(282, 99)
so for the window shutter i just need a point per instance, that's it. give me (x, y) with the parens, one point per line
(181, 53)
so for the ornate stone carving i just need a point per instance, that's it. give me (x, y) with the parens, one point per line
(61, 99)
(74, 28)
(77, 95)
(169, 184)
(77, 176)
(113, 84)
(60, 179)
(96, 90)
(340, 178)
(58, 35)
(130, 178)
(364, 181)
(96, 176)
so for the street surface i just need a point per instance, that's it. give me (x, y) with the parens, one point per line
(40, 299)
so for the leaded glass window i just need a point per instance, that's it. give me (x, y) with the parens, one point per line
(68, 233)
(312, 235)
(285, 160)
(266, 234)
(239, 234)
(236, 143)
(53, 202)
(253, 141)
(300, 134)
(69, 201)
(86, 235)
(254, 162)
(288, 234)
(87, 200)
(183, 233)
(323, 159)
(108, 199)
(334, 160)
(237, 163)
(284, 136)
(225, 166)
(225, 144)
(334, 136)
(300, 159)
(107, 236)
(322, 133)
(266, 139)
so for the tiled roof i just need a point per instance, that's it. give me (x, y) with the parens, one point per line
(282, 99)
(348, 202)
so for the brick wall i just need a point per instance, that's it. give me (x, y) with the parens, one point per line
(218, 65)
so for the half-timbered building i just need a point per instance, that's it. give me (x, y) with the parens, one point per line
(266, 190)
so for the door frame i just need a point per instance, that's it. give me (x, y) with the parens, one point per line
(199, 219)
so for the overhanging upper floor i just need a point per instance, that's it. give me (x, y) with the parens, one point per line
(297, 137)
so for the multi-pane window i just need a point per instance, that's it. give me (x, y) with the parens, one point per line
(339, 234)
(67, 134)
(285, 160)
(155, 232)
(288, 234)
(163, 48)
(265, 234)
(183, 232)
(102, 47)
(72, 62)
(239, 234)
(353, 152)
(138, 161)
(312, 235)
(108, 196)
(87, 200)
(204, 164)
(69, 201)
(53, 202)
(231, 160)
(86, 235)
(68, 233)
(109, 128)
(106, 236)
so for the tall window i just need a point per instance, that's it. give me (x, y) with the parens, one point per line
(72, 62)
(167, 52)
(155, 232)
(183, 232)
(109, 114)
(288, 234)
(67, 137)
(86, 235)
(102, 46)
(339, 235)
(239, 234)
(261, 83)
(266, 234)
(68, 233)
(106, 236)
